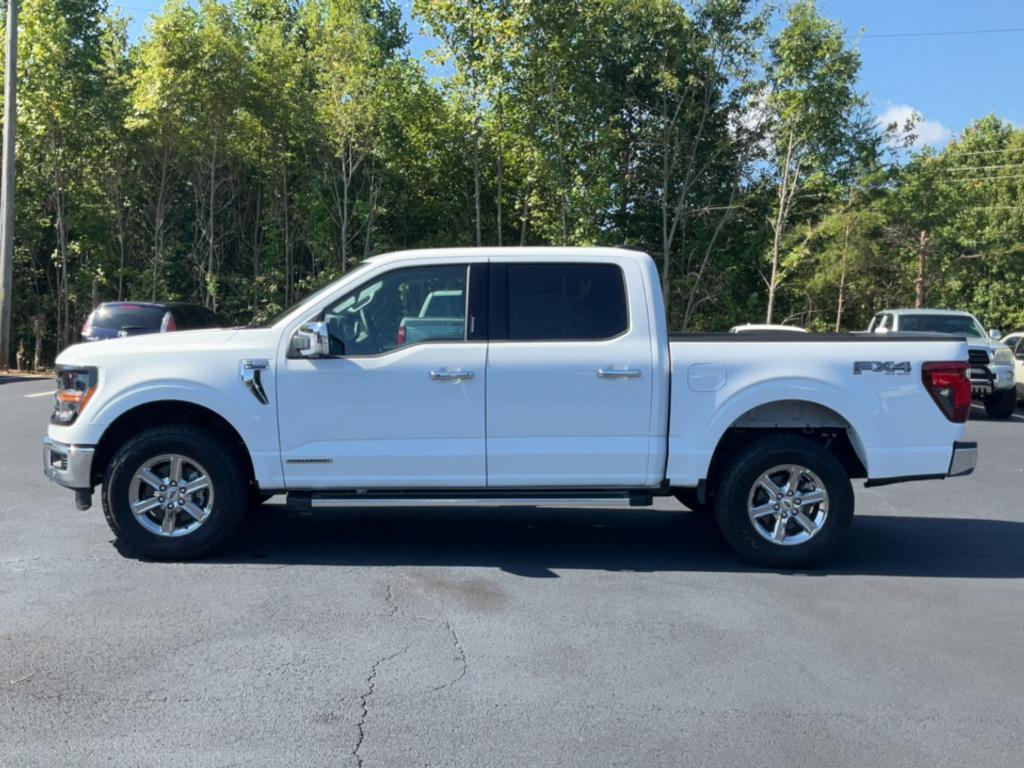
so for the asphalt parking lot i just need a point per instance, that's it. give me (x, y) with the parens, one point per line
(513, 638)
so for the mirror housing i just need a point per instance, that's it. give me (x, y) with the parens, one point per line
(312, 340)
(995, 333)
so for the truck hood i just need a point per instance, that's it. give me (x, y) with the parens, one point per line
(163, 344)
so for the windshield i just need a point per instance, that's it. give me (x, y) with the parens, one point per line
(286, 314)
(957, 325)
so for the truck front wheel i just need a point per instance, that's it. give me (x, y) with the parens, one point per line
(784, 501)
(1001, 404)
(174, 492)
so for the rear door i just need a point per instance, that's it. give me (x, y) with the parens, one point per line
(569, 375)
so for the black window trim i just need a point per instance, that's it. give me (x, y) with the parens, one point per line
(499, 310)
(472, 304)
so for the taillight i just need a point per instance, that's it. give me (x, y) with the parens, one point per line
(87, 326)
(401, 335)
(168, 323)
(950, 388)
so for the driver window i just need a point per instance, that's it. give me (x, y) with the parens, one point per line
(403, 307)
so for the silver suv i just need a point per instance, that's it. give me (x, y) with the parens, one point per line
(991, 361)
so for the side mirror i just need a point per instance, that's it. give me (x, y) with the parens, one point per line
(995, 333)
(312, 340)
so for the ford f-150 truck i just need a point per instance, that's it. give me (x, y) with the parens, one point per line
(564, 388)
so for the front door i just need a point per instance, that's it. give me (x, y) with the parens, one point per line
(400, 403)
(569, 376)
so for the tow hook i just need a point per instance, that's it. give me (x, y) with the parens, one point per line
(83, 498)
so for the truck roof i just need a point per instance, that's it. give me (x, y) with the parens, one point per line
(516, 252)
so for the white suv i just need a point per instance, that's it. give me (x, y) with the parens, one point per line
(991, 360)
(1015, 341)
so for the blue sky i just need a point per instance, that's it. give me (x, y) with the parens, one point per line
(949, 79)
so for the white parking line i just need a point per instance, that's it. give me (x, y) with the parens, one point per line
(41, 394)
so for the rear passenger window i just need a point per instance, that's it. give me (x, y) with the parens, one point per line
(562, 302)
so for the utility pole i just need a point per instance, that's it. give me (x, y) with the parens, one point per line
(7, 199)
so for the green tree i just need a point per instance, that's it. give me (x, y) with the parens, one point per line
(814, 116)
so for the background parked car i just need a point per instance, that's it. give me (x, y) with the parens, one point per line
(1015, 341)
(991, 362)
(442, 316)
(131, 318)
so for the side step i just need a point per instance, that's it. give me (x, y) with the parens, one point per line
(365, 499)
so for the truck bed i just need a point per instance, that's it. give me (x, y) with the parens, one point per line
(779, 380)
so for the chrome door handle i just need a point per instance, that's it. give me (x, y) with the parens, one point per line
(613, 373)
(446, 375)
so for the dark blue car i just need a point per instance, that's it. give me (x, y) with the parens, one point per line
(131, 318)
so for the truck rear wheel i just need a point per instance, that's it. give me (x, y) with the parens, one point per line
(784, 501)
(175, 492)
(1001, 404)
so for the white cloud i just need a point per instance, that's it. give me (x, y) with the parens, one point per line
(926, 132)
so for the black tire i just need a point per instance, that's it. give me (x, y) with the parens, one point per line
(227, 475)
(688, 498)
(736, 486)
(1002, 404)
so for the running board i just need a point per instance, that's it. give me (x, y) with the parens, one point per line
(371, 499)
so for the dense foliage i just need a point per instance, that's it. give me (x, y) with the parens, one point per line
(243, 153)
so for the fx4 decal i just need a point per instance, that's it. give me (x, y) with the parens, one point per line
(887, 367)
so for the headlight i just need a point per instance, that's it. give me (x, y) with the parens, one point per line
(1003, 357)
(75, 387)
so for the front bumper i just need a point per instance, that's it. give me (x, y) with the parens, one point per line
(68, 465)
(988, 379)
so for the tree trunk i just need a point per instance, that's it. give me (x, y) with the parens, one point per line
(346, 180)
(785, 197)
(289, 267)
(501, 165)
(64, 324)
(476, 178)
(257, 244)
(38, 324)
(208, 298)
(841, 301)
(920, 286)
(524, 218)
(159, 219)
(372, 208)
(709, 249)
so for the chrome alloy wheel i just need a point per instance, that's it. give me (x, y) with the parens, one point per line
(171, 495)
(788, 505)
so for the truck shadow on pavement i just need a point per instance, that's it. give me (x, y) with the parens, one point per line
(537, 543)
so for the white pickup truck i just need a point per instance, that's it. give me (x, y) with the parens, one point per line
(564, 388)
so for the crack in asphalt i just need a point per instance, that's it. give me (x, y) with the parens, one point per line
(461, 657)
(364, 702)
(389, 597)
